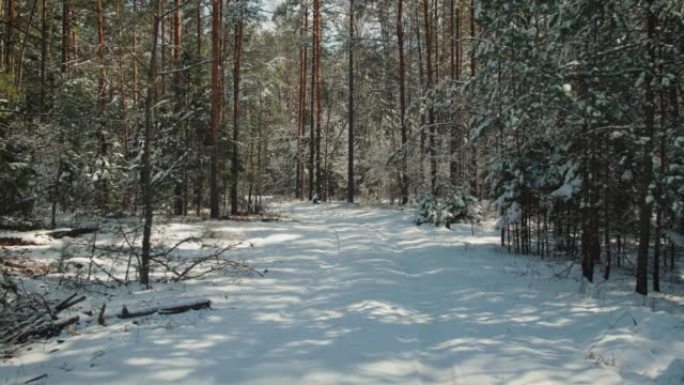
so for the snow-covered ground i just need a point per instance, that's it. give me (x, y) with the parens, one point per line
(362, 296)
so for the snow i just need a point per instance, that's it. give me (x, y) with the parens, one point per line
(359, 295)
(568, 189)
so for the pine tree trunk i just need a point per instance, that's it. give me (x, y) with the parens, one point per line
(9, 36)
(146, 167)
(179, 188)
(645, 174)
(234, 208)
(312, 106)
(123, 108)
(455, 147)
(43, 54)
(215, 107)
(65, 36)
(403, 175)
(431, 113)
(134, 62)
(301, 121)
(350, 123)
(102, 101)
(472, 39)
(318, 83)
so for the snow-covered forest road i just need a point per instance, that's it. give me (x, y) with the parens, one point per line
(363, 296)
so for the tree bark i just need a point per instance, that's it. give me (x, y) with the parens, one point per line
(645, 175)
(134, 61)
(472, 38)
(455, 69)
(301, 121)
(215, 107)
(350, 144)
(65, 36)
(318, 84)
(146, 168)
(234, 208)
(43, 55)
(102, 101)
(403, 175)
(431, 113)
(312, 107)
(180, 185)
(9, 36)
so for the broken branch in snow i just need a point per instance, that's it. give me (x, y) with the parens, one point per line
(67, 303)
(167, 310)
(101, 317)
(182, 268)
(38, 378)
(29, 317)
(166, 252)
(72, 233)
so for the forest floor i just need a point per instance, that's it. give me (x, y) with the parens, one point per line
(357, 295)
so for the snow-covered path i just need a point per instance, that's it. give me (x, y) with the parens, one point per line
(360, 296)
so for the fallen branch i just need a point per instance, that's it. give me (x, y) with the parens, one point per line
(166, 310)
(67, 304)
(31, 317)
(40, 330)
(38, 378)
(182, 268)
(205, 304)
(72, 233)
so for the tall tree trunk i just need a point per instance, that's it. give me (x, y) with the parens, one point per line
(102, 101)
(403, 175)
(146, 167)
(134, 61)
(215, 107)
(22, 47)
(455, 68)
(199, 181)
(163, 45)
(645, 174)
(73, 45)
(435, 34)
(234, 208)
(43, 54)
(472, 38)
(350, 144)
(123, 108)
(66, 26)
(299, 187)
(319, 81)
(312, 107)
(421, 77)
(674, 102)
(431, 113)
(66, 12)
(9, 36)
(659, 184)
(177, 88)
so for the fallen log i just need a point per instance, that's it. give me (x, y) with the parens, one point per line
(166, 310)
(205, 304)
(14, 241)
(35, 379)
(72, 233)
